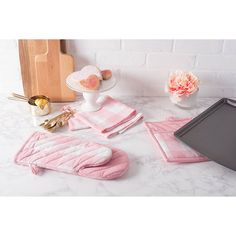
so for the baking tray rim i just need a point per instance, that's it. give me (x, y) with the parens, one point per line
(195, 121)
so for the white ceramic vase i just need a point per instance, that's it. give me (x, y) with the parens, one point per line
(186, 101)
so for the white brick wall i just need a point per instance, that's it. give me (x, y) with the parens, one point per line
(147, 45)
(229, 47)
(172, 61)
(216, 62)
(198, 46)
(9, 68)
(94, 45)
(121, 59)
(142, 66)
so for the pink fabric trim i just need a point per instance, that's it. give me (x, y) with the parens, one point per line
(171, 149)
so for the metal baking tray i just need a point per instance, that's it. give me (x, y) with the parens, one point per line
(213, 133)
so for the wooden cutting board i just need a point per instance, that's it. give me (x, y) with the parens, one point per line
(28, 49)
(51, 67)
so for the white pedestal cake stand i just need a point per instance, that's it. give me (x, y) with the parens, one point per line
(90, 97)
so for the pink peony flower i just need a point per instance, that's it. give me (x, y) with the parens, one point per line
(182, 84)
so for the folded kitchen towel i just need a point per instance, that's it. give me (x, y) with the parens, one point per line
(124, 126)
(172, 149)
(72, 155)
(113, 118)
(75, 124)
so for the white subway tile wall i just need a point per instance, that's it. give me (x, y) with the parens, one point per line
(229, 47)
(142, 66)
(10, 76)
(172, 61)
(198, 46)
(147, 45)
(216, 62)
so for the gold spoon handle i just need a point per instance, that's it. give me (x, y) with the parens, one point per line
(17, 99)
(19, 96)
(57, 121)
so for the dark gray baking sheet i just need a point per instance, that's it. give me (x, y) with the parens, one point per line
(213, 133)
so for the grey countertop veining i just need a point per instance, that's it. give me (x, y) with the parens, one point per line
(148, 175)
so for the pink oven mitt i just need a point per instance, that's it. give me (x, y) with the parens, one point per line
(72, 155)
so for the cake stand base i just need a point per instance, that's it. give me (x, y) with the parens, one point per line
(90, 101)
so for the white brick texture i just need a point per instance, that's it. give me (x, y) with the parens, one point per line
(94, 45)
(216, 62)
(147, 45)
(230, 46)
(198, 46)
(123, 59)
(9, 68)
(142, 66)
(171, 61)
(8, 46)
(142, 82)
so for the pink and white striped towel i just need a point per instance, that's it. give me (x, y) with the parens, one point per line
(113, 118)
(72, 155)
(172, 149)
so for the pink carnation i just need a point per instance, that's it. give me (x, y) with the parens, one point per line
(182, 83)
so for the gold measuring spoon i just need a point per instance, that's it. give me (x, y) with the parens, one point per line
(39, 104)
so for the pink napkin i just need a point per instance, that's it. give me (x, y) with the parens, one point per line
(172, 149)
(72, 155)
(113, 118)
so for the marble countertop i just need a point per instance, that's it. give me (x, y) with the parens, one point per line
(148, 175)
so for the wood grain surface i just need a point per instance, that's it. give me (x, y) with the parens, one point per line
(45, 68)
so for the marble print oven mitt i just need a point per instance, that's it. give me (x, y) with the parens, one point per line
(72, 155)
